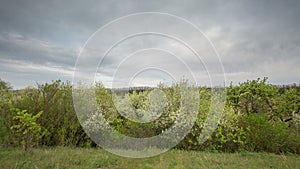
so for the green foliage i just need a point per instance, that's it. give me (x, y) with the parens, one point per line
(258, 116)
(265, 135)
(58, 118)
(4, 86)
(27, 127)
(229, 136)
(288, 106)
(5, 97)
(252, 96)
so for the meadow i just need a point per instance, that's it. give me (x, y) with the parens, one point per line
(93, 158)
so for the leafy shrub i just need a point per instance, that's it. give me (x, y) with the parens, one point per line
(229, 136)
(27, 127)
(265, 135)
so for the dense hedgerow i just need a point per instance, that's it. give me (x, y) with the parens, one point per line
(257, 116)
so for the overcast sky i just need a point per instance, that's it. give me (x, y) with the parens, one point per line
(41, 40)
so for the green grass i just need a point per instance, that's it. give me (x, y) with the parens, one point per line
(77, 158)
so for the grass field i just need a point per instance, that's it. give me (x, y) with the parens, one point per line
(64, 157)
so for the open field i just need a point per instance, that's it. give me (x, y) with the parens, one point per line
(64, 157)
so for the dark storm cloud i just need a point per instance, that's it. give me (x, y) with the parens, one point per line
(41, 39)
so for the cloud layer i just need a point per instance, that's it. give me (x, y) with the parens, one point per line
(40, 41)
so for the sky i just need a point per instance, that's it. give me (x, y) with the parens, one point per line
(41, 41)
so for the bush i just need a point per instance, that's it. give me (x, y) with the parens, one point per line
(265, 135)
(27, 128)
(229, 136)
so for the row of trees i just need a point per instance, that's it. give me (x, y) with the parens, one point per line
(257, 116)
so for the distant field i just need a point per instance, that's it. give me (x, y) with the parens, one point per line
(88, 158)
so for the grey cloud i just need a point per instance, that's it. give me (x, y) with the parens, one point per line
(254, 38)
(17, 47)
